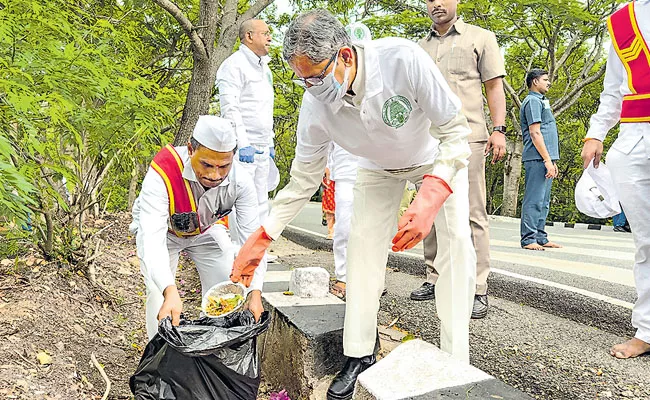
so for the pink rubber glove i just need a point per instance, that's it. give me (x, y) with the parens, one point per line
(416, 222)
(250, 256)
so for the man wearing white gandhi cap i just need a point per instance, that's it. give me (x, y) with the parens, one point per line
(185, 194)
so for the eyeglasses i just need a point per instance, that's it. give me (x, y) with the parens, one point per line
(315, 80)
(265, 34)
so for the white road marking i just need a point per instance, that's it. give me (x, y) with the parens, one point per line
(594, 251)
(586, 293)
(589, 270)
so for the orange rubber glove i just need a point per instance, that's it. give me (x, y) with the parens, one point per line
(416, 222)
(250, 256)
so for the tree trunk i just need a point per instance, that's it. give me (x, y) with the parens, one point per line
(133, 185)
(209, 55)
(511, 174)
(48, 244)
(198, 99)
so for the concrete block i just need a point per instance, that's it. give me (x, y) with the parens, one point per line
(310, 282)
(419, 370)
(304, 343)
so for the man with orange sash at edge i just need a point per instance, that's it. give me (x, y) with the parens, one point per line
(626, 98)
(386, 102)
(185, 193)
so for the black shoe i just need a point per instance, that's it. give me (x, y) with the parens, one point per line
(342, 387)
(620, 229)
(480, 306)
(424, 292)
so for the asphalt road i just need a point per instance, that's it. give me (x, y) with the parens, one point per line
(553, 314)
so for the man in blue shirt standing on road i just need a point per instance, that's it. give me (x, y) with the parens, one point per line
(541, 151)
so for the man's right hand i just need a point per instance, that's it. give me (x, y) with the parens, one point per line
(247, 154)
(551, 169)
(172, 306)
(591, 150)
(249, 257)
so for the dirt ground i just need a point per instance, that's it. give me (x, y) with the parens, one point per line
(53, 311)
(52, 320)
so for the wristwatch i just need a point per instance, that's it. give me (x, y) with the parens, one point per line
(500, 128)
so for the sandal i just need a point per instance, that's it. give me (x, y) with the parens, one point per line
(338, 289)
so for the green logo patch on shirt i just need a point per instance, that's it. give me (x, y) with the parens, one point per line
(396, 111)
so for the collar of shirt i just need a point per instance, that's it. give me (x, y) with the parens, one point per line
(370, 85)
(252, 57)
(458, 27)
(536, 94)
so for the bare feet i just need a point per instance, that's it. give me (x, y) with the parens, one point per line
(632, 348)
(551, 245)
(533, 246)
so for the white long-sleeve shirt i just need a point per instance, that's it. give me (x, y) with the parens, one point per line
(151, 217)
(615, 86)
(408, 117)
(245, 86)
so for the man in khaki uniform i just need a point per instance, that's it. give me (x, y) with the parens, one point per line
(469, 56)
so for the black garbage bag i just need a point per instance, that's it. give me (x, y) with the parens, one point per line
(204, 359)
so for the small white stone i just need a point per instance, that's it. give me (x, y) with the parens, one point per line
(310, 282)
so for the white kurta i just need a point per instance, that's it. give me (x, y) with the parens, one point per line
(212, 251)
(245, 86)
(407, 115)
(629, 162)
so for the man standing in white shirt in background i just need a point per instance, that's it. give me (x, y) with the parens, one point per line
(245, 86)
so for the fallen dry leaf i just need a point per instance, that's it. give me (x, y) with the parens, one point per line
(44, 358)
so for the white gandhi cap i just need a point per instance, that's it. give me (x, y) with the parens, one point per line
(596, 194)
(215, 133)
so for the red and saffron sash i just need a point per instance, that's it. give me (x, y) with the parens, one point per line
(633, 51)
(169, 166)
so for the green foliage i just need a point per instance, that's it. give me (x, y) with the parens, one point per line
(79, 99)
(13, 240)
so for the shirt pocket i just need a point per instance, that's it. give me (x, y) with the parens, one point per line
(463, 61)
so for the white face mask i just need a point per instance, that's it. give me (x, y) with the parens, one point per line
(331, 90)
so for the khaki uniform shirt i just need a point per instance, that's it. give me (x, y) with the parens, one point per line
(467, 56)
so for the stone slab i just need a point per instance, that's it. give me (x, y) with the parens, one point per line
(277, 276)
(279, 299)
(304, 343)
(419, 370)
(275, 267)
(275, 287)
(416, 368)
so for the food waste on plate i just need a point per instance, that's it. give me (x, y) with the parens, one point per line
(218, 305)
